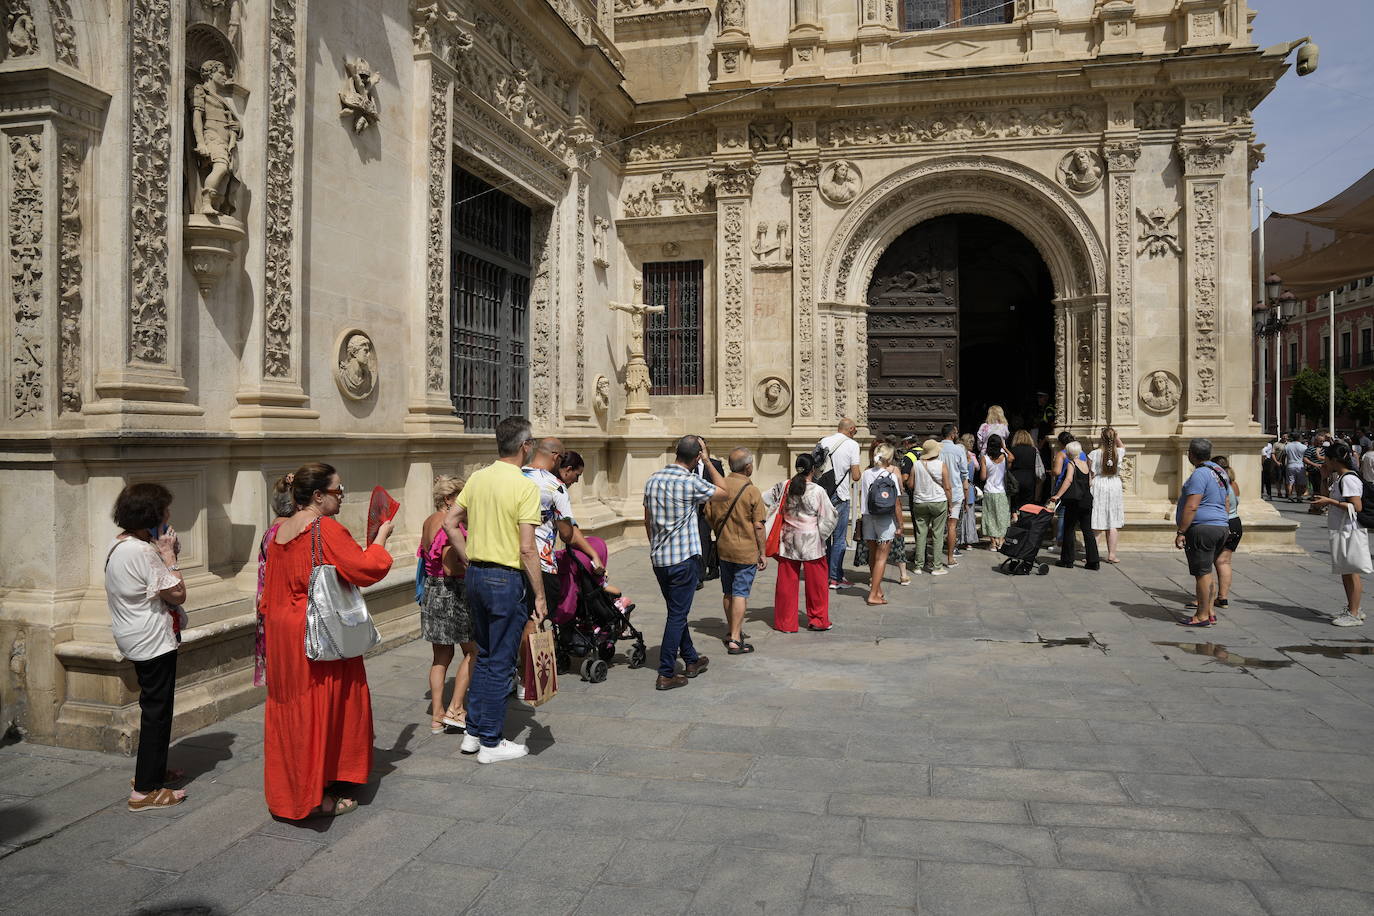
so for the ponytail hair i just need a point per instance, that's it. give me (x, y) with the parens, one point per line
(797, 487)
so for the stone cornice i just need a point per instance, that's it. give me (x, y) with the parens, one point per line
(45, 92)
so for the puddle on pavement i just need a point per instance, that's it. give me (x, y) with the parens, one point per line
(1090, 640)
(1225, 656)
(1231, 659)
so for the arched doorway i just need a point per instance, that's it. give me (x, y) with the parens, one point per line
(960, 316)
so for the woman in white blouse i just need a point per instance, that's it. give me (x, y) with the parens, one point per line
(807, 518)
(879, 530)
(144, 589)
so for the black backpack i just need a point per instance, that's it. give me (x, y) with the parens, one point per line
(820, 458)
(882, 496)
(1366, 514)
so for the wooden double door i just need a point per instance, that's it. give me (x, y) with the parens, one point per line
(913, 332)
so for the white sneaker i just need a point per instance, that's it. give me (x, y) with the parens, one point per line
(942, 571)
(506, 750)
(471, 744)
(1347, 620)
(918, 572)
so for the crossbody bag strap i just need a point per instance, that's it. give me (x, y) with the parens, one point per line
(715, 531)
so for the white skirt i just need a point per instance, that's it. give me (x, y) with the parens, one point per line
(1350, 552)
(1109, 507)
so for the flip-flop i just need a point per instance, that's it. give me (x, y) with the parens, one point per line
(1196, 624)
(341, 807)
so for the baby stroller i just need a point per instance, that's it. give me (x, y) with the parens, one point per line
(1023, 541)
(589, 620)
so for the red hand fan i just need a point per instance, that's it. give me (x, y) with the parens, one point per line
(382, 508)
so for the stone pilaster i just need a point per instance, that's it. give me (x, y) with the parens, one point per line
(1204, 159)
(438, 44)
(271, 394)
(804, 176)
(734, 185)
(1122, 154)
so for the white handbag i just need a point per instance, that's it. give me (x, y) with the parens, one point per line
(337, 624)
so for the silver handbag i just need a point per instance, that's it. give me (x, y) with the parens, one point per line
(337, 624)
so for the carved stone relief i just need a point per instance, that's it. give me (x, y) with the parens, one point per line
(732, 15)
(1205, 154)
(766, 136)
(1060, 233)
(150, 142)
(1159, 391)
(580, 266)
(733, 179)
(1083, 360)
(841, 182)
(1080, 171)
(806, 298)
(958, 125)
(601, 400)
(861, 372)
(358, 96)
(1061, 356)
(1123, 283)
(732, 300)
(543, 322)
(26, 244)
(1158, 236)
(599, 226)
(1202, 241)
(63, 32)
(436, 261)
(20, 32)
(772, 246)
(666, 145)
(355, 371)
(838, 368)
(70, 272)
(669, 196)
(280, 200)
(1158, 114)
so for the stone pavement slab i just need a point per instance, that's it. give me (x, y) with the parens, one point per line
(981, 745)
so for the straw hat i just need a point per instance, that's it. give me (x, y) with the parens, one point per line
(930, 449)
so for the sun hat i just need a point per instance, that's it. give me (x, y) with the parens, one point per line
(930, 449)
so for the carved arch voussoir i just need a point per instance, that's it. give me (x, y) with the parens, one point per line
(1018, 196)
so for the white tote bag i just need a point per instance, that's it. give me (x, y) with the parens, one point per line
(337, 624)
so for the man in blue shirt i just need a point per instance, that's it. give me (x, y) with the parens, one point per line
(1202, 527)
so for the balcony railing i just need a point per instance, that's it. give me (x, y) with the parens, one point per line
(1345, 361)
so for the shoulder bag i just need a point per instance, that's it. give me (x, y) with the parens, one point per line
(337, 624)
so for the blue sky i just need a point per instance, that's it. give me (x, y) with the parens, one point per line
(1307, 123)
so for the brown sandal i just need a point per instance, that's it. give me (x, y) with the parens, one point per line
(162, 798)
(169, 776)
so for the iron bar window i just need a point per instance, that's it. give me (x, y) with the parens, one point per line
(920, 15)
(489, 305)
(673, 337)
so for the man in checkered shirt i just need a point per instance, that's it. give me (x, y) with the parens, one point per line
(671, 498)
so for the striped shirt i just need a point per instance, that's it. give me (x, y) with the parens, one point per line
(671, 498)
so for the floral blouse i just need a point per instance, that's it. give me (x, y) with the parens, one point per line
(807, 520)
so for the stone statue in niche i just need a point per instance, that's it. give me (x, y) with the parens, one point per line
(841, 182)
(217, 131)
(732, 14)
(1157, 235)
(772, 247)
(772, 396)
(601, 398)
(599, 226)
(356, 372)
(358, 97)
(637, 379)
(1080, 171)
(1159, 391)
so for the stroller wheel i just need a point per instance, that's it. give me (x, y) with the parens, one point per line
(637, 657)
(1044, 570)
(584, 670)
(606, 653)
(596, 670)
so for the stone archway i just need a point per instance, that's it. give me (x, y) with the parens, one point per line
(1030, 203)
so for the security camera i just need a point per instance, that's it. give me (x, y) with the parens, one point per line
(1307, 58)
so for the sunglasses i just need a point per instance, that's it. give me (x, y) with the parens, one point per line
(338, 491)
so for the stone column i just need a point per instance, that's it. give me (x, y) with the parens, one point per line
(805, 38)
(141, 369)
(877, 28)
(1204, 159)
(734, 185)
(1122, 154)
(804, 176)
(270, 394)
(438, 45)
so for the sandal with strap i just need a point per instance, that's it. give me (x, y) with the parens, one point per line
(454, 721)
(162, 798)
(737, 647)
(339, 808)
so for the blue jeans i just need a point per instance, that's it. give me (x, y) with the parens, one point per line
(838, 540)
(679, 586)
(496, 599)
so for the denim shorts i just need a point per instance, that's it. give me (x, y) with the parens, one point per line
(737, 579)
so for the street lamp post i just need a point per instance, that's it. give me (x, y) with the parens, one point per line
(1279, 308)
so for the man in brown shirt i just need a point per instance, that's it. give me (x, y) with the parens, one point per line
(738, 522)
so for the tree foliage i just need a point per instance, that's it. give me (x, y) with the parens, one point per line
(1359, 404)
(1310, 392)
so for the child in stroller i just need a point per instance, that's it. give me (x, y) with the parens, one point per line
(591, 616)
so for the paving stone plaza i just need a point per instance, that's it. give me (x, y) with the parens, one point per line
(982, 745)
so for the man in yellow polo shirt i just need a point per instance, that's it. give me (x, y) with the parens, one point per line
(501, 508)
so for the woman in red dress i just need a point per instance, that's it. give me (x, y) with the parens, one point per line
(319, 714)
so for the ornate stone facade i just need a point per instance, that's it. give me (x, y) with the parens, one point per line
(150, 142)
(29, 345)
(279, 309)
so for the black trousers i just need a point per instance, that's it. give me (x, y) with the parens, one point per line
(1078, 516)
(157, 683)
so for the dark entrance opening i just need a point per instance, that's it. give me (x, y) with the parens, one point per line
(960, 317)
